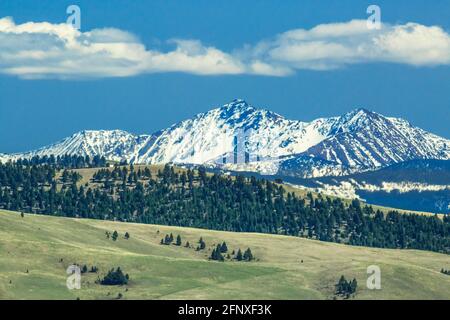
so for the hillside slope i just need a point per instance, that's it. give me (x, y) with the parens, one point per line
(38, 243)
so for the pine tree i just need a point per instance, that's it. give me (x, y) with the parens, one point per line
(115, 277)
(201, 244)
(167, 240)
(341, 285)
(239, 255)
(346, 288)
(353, 286)
(216, 255)
(127, 235)
(178, 242)
(213, 255)
(248, 255)
(115, 235)
(223, 248)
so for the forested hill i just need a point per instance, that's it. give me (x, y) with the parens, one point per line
(196, 199)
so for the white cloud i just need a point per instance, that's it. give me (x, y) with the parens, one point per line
(45, 50)
(330, 46)
(415, 44)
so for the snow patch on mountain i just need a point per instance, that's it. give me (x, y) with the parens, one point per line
(348, 189)
(305, 166)
(267, 167)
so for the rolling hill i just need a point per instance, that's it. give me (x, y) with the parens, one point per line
(31, 249)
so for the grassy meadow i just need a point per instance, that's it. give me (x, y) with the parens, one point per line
(36, 250)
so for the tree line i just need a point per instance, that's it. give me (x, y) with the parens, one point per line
(193, 198)
(65, 161)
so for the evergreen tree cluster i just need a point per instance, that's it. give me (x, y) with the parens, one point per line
(167, 240)
(93, 269)
(122, 174)
(114, 236)
(219, 251)
(70, 177)
(85, 269)
(445, 271)
(247, 256)
(115, 278)
(14, 176)
(216, 254)
(65, 161)
(193, 198)
(346, 288)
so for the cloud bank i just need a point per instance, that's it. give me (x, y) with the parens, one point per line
(45, 50)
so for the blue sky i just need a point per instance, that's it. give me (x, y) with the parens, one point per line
(405, 82)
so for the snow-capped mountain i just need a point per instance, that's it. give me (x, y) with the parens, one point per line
(366, 139)
(209, 135)
(354, 142)
(115, 145)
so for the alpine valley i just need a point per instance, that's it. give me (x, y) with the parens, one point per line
(361, 154)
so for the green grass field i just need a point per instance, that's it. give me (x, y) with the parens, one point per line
(38, 243)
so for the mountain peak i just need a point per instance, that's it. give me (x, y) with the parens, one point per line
(238, 111)
(359, 112)
(237, 108)
(236, 104)
(357, 119)
(359, 116)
